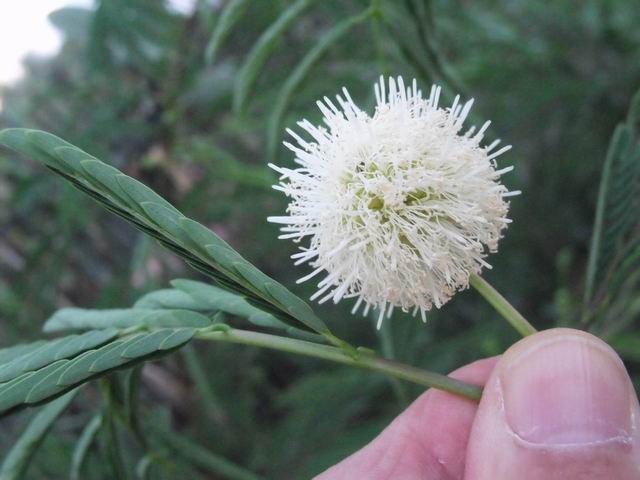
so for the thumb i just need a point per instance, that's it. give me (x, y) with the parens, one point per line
(559, 405)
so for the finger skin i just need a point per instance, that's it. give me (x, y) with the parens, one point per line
(427, 441)
(564, 368)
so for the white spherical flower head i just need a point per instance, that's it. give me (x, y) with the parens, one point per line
(401, 207)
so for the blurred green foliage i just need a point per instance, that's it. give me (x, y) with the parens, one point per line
(194, 105)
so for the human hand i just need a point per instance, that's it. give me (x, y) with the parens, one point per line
(557, 405)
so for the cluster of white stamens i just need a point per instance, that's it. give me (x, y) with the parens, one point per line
(401, 207)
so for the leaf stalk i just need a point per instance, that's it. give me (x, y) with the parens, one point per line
(366, 361)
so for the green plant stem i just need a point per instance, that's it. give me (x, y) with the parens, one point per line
(364, 360)
(202, 457)
(111, 431)
(385, 335)
(210, 401)
(504, 308)
(377, 18)
(430, 51)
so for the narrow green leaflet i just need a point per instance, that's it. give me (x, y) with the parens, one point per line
(19, 457)
(60, 375)
(143, 467)
(250, 70)
(83, 446)
(141, 206)
(229, 17)
(302, 70)
(627, 267)
(10, 353)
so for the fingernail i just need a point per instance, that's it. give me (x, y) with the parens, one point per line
(568, 390)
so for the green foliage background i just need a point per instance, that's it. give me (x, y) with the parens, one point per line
(195, 106)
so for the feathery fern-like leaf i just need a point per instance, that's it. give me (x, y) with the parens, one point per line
(52, 370)
(613, 242)
(141, 206)
(88, 319)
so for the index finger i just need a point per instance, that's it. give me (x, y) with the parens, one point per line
(427, 440)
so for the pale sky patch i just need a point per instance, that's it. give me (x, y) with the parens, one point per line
(24, 29)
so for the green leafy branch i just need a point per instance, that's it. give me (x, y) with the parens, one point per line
(200, 247)
(35, 373)
(117, 339)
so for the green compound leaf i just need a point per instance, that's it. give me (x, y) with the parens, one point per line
(257, 57)
(217, 299)
(301, 72)
(141, 206)
(183, 306)
(204, 298)
(613, 247)
(60, 375)
(170, 298)
(17, 461)
(88, 319)
(17, 390)
(54, 350)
